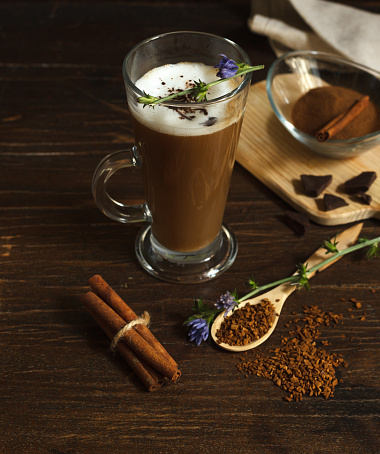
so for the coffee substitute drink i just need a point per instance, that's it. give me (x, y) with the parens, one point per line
(185, 147)
(187, 156)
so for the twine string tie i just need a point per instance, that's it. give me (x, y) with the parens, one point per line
(143, 320)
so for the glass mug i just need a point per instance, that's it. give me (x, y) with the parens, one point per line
(186, 152)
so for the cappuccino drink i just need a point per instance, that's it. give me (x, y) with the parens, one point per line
(187, 154)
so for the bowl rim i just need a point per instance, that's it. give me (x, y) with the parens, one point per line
(325, 56)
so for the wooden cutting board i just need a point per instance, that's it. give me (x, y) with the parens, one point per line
(271, 154)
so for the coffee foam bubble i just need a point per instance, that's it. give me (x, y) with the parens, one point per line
(163, 81)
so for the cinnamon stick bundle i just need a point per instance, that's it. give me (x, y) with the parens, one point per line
(341, 121)
(149, 376)
(147, 357)
(100, 287)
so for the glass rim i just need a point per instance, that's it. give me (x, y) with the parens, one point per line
(177, 104)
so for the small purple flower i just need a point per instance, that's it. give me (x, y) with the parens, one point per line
(199, 330)
(227, 68)
(227, 302)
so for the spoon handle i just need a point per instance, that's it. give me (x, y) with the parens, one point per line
(344, 239)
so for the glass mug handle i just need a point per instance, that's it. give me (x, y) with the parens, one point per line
(110, 207)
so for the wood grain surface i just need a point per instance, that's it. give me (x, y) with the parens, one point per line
(277, 159)
(62, 391)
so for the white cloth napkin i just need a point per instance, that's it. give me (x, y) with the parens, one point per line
(318, 25)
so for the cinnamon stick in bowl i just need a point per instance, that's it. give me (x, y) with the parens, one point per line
(341, 121)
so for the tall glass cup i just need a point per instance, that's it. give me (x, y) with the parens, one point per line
(186, 151)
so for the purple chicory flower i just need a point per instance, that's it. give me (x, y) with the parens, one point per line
(227, 67)
(199, 330)
(227, 302)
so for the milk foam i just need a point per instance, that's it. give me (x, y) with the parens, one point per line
(163, 80)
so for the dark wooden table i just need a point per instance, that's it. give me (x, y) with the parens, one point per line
(61, 389)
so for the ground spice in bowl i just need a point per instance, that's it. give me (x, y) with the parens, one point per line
(317, 107)
(299, 366)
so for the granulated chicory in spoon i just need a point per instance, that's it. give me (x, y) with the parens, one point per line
(247, 324)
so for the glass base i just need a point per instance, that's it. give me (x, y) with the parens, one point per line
(186, 268)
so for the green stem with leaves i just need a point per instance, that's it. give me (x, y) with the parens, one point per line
(295, 279)
(300, 278)
(200, 90)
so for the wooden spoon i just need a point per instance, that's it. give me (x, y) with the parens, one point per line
(278, 295)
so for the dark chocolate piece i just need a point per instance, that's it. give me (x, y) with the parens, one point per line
(364, 197)
(298, 222)
(360, 183)
(315, 184)
(333, 202)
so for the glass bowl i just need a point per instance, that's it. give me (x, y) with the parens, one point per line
(295, 73)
